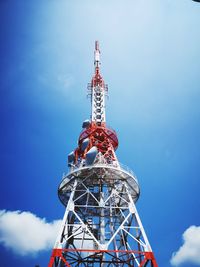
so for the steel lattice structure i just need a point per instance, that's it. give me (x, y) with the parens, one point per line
(101, 225)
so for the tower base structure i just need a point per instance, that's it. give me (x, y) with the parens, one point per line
(57, 256)
(101, 225)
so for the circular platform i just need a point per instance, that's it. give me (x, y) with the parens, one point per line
(99, 178)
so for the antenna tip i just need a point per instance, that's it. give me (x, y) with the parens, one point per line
(96, 45)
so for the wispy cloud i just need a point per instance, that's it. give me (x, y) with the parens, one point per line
(190, 250)
(25, 233)
(65, 80)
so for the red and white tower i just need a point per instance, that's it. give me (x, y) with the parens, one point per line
(101, 225)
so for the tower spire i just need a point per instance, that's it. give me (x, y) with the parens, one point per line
(96, 55)
(98, 91)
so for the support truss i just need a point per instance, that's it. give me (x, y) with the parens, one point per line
(101, 225)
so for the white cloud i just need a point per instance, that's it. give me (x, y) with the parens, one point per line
(25, 233)
(190, 250)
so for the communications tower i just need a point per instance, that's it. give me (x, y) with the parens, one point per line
(101, 226)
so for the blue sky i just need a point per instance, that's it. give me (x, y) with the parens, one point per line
(150, 60)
